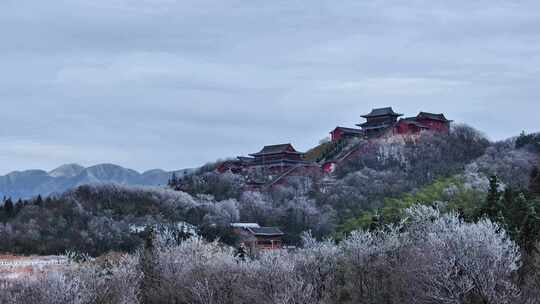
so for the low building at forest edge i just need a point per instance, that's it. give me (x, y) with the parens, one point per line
(256, 238)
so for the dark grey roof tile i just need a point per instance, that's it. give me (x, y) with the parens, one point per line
(266, 231)
(388, 111)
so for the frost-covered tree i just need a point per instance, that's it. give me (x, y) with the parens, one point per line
(451, 261)
(53, 288)
(318, 263)
(511, 165)
(428, 258)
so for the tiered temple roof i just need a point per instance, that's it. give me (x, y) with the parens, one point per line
(379, 112)
(377, 125)
(283, 154)
(379, 120)
(439, 117)
(276, 149)
(349, 130)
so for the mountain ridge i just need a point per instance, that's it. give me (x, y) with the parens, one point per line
(33, 182)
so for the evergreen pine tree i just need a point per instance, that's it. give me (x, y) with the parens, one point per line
(530, 229)
(149, 265)
(39, 201)
(173, 181)
(522, 140)
(18, 206)
(375, 222)
(8, 208)
(508, 203)
(534, 183)
(491, 207)
(514, 209)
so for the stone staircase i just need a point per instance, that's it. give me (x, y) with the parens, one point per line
(282, 176)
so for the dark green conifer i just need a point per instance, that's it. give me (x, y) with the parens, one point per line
(534, 183)
(491, 206)
(39, 201)
(18, 206)
(148, 267)
(530, 230)
(8, 207)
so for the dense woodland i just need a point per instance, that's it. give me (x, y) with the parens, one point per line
(447, 218)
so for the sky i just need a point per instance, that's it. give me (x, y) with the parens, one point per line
(174, 84)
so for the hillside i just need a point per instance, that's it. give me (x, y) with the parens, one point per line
(372, 172)
(388, 176)
(397, 207)
(30, 183)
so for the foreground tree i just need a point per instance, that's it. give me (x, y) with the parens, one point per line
(428, 258)
(457, 262)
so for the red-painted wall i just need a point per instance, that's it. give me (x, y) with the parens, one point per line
(229, 166)
(435, 125)
(281, 156)
(337, 135)
(406, 128)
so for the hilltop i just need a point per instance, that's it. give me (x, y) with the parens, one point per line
(276, 164)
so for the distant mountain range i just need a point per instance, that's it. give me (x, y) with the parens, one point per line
(30, 183)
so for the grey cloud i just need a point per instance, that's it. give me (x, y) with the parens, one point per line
(171, 83)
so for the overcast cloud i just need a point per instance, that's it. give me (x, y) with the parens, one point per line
(174, 84)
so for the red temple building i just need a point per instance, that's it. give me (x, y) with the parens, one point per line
(340, 133)
(436, 122)
(423, 122)
(379, 121)
(279, 161)
(271, 166)
(271, 159)
(284, 153)
(409, 125)
(233, 166)
(384, 121)
(276, 164)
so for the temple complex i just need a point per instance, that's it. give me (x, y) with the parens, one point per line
(274, 164)
(386, 122)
